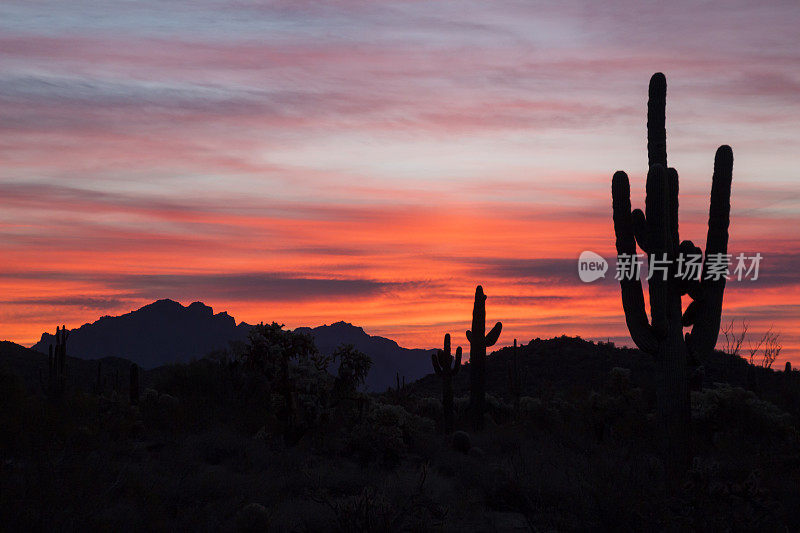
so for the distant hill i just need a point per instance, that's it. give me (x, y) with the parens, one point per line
(544, 366)
(167, 332)
(31, 366)
(388, 358)
(571, 365)
(159, 333)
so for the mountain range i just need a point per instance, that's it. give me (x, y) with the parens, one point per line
(166, 332)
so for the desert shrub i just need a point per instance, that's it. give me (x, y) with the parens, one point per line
(164, 411)
(369, 511)
(311, 394)
(429, 408)
(461, 405)
(541, 415)
(619, 380)
(716, 497)
(498, 410)
(461, 442)
(253, 518)
(213, 447)
(739, 413)
(388, 432)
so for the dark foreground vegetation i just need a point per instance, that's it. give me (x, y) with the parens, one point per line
(264, 438)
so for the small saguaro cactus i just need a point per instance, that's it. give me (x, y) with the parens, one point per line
(656, 233)
(514, 378)
(446, 368)
(134, 386)
(400, 391)
(479, 340)
(57, 364)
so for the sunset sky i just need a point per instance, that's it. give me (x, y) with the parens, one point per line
(309, 162)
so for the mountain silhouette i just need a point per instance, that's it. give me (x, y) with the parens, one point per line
(159, 333)
(31, 367)
(388, 358)
(166, 332)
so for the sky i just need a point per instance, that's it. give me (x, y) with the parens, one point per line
(309, 162)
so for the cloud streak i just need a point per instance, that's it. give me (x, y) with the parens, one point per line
(373, 161)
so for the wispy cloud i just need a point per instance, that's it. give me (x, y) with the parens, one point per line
(373, 161)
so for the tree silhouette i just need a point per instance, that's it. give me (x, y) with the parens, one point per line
(354, 366)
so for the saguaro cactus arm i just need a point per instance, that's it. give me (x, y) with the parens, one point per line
(656, 121)
(657, 216)
(709, 305)
(632, 293)
(494, 334)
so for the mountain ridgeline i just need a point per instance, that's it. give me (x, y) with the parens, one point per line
(166, 332)
(388, 358)
(159, 333)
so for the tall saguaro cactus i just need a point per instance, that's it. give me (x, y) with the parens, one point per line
(657, 233)
(57, 364)
(446, 368)
(479, 340)
(514, 379)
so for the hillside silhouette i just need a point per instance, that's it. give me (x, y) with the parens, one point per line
(166, 332)
(159, 333)
(388, 358)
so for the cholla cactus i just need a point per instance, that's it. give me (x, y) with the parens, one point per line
(656, 232)
(479, 340)
(445, 367)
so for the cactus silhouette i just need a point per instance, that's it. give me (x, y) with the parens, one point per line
(400, 391)
(656, 232)
(134, 386)
(514, 378)
(446, 368)
(57, 364)
(479, 340)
